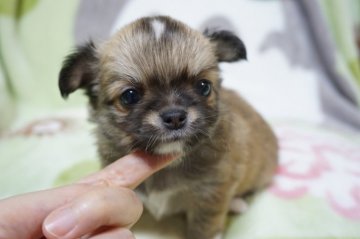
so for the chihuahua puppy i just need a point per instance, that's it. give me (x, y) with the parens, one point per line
(155, 86)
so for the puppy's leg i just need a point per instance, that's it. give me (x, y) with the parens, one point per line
(205, 223)
(206, 218)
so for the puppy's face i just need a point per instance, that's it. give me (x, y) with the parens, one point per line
(154, 85)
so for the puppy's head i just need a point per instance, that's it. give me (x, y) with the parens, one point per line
(154, 85)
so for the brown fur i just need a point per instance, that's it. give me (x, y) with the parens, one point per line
(227, 149)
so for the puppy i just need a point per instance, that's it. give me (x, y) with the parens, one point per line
(155, 86)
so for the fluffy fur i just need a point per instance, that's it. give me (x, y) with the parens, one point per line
(171, 72)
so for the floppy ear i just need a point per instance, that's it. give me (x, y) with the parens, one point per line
(228, 47)
(79, 71)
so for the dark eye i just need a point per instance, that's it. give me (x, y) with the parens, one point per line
(130, 97)
(203, 87)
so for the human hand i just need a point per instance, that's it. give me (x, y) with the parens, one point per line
(102, 205)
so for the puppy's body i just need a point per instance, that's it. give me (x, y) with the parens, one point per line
(230, 163)
(155, 86)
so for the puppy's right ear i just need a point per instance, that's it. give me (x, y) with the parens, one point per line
(228, 46)
(79, 71)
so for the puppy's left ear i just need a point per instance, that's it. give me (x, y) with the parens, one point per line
(228, 47)
(78, 71)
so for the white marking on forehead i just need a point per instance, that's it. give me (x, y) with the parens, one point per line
(158, 27)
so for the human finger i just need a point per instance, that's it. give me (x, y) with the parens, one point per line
(103, 206)
(114, 233)
(22, 216)
(34, 207)
(130, 170)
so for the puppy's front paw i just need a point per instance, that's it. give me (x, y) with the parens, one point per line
(218, 236)
(238, 205)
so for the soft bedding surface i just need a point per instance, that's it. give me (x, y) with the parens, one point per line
(315, 193)
(310, 97)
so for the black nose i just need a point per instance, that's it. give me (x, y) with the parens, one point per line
(174, 119)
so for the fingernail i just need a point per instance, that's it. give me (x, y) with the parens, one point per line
(61, 223)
